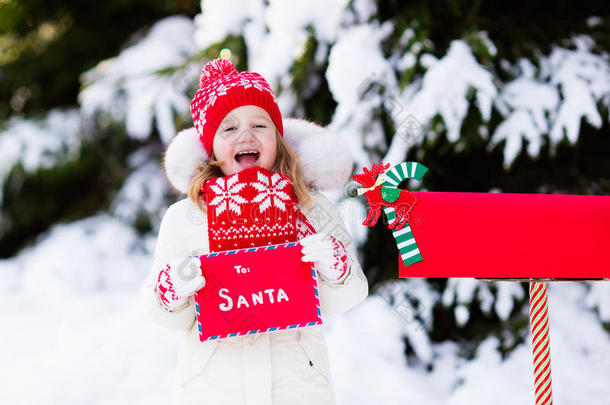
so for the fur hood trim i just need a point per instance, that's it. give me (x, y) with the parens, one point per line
(324, 155)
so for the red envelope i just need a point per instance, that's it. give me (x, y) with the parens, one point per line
(255, 290)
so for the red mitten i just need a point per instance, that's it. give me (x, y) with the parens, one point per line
(178, 280)
(329, 255)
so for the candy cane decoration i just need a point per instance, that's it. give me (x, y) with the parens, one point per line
(539, 320)
(409, 252)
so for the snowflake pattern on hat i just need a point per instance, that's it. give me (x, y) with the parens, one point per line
(253, 80)
(222, 89)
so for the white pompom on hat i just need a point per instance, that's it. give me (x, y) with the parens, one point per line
(325, 156)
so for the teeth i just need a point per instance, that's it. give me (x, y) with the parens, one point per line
(246, 152)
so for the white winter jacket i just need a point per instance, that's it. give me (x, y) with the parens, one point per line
(285, 367)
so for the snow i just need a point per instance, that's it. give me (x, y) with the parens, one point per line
(417, 319)
(128, 88)
(594, 21)
(507, 293)
(355, 63)
(584, 78)
(518, 124)
(462, 291)
(569, 85)
(74, 322)
(94, 349)
(325, 16)
(462, 314)
(567, 88)
(285, 24)
(599, 300)
(215, 21)
(445, 87)
(361, 342)
(530, 101)
(41, 143)
(365, 9)
(275, 34)
(87, 256)
(350, 72)
(407, 61)
(144, 190)
(368, 365)
(443, 91)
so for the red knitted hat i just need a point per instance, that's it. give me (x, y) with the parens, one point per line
(221, 89)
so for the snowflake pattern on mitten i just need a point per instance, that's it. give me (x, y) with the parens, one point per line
(250, 208)
(166, 292)
(340, 254)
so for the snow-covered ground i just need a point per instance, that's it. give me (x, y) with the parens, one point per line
(74, 331)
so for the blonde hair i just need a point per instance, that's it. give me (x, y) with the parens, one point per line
(286, 162)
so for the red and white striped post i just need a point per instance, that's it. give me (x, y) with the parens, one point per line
(539, 321)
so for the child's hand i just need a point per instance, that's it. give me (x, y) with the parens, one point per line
(328, 253)
(180, 279)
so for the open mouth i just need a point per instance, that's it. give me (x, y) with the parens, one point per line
(247, 158)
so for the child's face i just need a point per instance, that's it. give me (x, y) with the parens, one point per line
(245, 129)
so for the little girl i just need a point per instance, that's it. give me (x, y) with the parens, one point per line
(238, 126)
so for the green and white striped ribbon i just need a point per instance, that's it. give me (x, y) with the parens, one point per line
(402, 171)
(409, 252)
